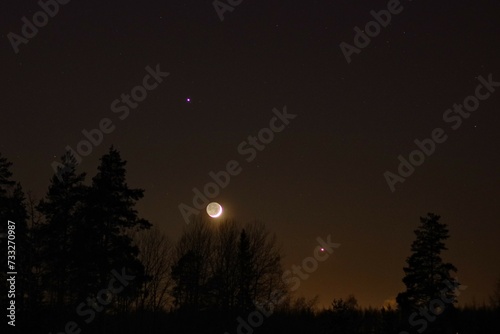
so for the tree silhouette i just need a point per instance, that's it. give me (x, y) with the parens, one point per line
(12, 202)
(189, 290)
(246, 272)
(109, 220)
(61, 208)
(155, 253)
(495, 297)
(427, 277)
(13, 208)
(219, 268)
(266, 256)
(344, 315)
(223, 284)
(192, 267)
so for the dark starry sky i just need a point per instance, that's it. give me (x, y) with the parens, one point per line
(324, 173)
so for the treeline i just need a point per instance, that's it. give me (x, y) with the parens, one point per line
(83, 252)
(70, 243)
(87, 262)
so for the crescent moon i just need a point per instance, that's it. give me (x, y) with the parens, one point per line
(214, 209)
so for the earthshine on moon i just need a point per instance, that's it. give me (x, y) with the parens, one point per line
(214, 209)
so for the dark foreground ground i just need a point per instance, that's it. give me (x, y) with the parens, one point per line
(462, 321)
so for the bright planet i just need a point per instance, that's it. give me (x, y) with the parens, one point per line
(214, 209)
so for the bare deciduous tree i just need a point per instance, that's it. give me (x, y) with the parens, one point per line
(495, 298)
(192, 270)
(267, 263)
(226, 267)
(225, 264)
(156, 255)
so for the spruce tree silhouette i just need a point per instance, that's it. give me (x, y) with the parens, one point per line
(13, 208)
(427, 277)
(12, 199)
(107, 228)
(61, 208)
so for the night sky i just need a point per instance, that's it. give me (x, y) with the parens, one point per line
(324, 173)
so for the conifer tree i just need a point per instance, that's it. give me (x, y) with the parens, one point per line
(61, 207)
(427, 276)
(107, 228)
(13, 209)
